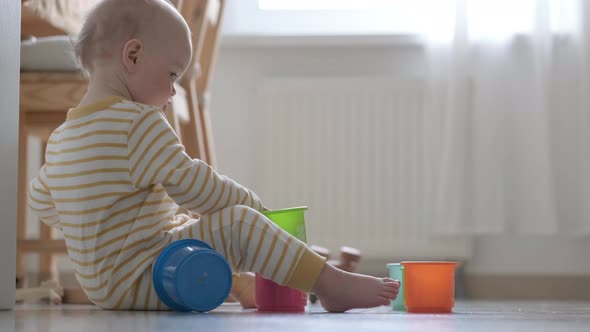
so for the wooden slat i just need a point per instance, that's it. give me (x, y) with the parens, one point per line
(192, 131)
(214, 11)
(57, 76)
(47, 246)
(44, 119)
(207, 61)
(194, 12)
(51, 92)
(33, 25)
(197, 133)
(208, 153)
(56, 17)
(208, 52)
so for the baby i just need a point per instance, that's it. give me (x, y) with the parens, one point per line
(116, 175)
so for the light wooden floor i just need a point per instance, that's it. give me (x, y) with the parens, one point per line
(468, 316)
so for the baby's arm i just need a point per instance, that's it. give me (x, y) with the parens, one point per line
(156, 156)
(40, 200)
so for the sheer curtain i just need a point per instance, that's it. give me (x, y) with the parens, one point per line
(508, 118)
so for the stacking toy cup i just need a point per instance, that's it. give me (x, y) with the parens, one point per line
(291, 220)
(396, 272)
(429, 286)
(270, 296)
(190, 276)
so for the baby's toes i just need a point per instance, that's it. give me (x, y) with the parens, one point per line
(389, 295)
(393, 286)
(385, 300)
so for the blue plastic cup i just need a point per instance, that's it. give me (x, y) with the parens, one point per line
(396, 272)
(190, 276)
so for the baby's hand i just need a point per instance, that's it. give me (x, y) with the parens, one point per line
(244, 290)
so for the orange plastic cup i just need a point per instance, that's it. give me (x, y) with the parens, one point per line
(429, 286)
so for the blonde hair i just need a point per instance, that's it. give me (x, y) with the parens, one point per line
(112, 22)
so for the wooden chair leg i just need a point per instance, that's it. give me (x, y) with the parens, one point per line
(207, 131)
(47, 268)
(208, 55)
(192, 135)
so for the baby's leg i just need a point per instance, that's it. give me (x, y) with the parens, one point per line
(251, 242)
(144, 295)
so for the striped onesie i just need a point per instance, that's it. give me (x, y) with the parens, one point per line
(114, 182)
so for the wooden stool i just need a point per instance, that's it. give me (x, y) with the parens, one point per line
(44, 101)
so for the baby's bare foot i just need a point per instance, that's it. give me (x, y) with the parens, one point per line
(339, 291)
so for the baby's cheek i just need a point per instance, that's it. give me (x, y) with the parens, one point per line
(161, 93)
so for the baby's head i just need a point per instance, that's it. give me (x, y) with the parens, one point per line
(142, 46)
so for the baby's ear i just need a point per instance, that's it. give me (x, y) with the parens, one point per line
(131, 52)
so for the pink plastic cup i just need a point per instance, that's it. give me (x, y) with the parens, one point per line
(272, 297)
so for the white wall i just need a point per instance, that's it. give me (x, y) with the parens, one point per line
(9, 69)
(240, 68)
(531, 255)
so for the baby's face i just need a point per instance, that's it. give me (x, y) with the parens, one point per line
(153, 83)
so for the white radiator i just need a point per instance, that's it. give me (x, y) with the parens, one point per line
(352, 150)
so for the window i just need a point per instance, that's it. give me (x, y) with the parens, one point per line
(326, 4)
(335, 17)
(479, 19)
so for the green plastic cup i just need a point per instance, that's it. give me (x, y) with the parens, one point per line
(270, 296)
(396, 272)
(291, 220)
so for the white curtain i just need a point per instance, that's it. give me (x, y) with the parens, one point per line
(509, 118)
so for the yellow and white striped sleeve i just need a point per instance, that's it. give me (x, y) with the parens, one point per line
(41, 202)
(156, 156)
